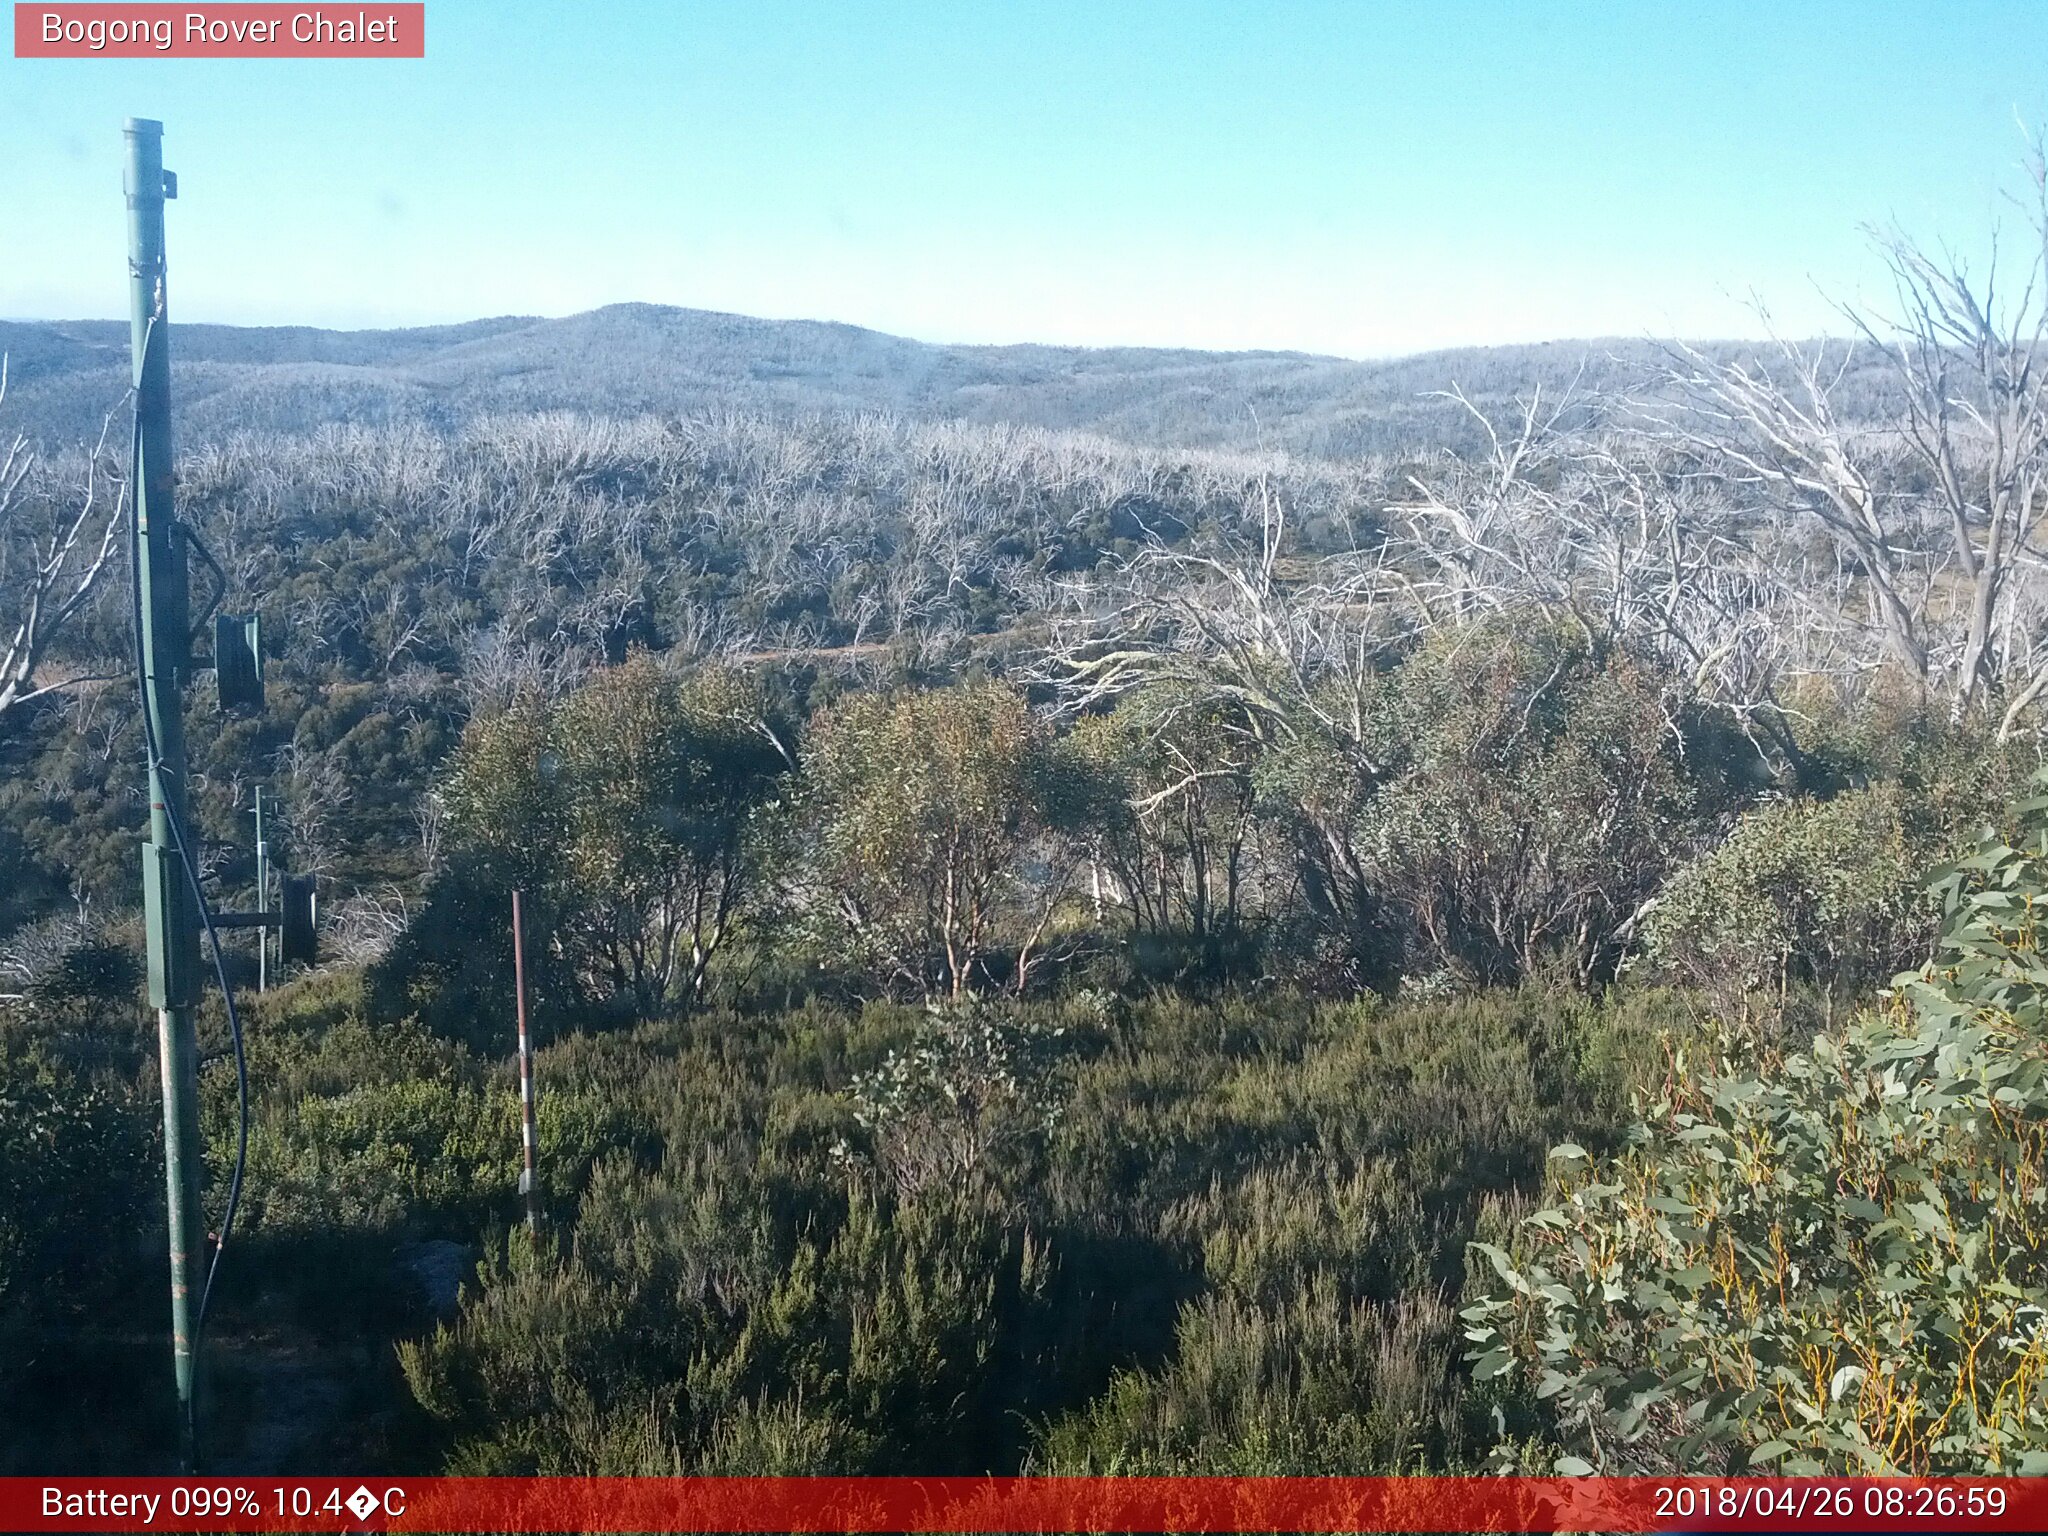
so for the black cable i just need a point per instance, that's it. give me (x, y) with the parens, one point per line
(155, 757)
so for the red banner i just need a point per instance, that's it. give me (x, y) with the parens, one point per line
(234, 31)
(1078, 1504)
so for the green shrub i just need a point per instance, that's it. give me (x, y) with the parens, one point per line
(1830, 1261)
(1176, 850)
(1512, 797)
(76, 1175)
(1305, 1385)
(362, 1126)
(1827, 893)
(976, 1080)
(699, 1323)
(638, 817)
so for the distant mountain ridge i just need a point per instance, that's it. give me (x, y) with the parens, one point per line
(630, 359)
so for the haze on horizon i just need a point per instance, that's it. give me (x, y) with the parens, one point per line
(1307, 175)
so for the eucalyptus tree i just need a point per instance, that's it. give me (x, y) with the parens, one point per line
(945, 831)
(637, 810)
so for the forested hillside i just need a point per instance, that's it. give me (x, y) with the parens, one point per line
(1087, 911)
(631, 359)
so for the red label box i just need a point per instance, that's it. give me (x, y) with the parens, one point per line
(233, 31)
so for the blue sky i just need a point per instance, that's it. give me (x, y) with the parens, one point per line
(1330, 175)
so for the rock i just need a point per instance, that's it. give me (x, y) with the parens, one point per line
(439, 1268)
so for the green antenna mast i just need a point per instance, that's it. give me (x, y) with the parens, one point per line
(174, 903)
(170, 908)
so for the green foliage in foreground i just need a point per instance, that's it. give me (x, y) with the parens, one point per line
(1089, 1233)
(760, 1347)
(1829, 1261)
(1172, 1236)
(75, 1170)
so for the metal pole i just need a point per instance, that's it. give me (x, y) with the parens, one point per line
(262, 898)
(172, 918)
(529, 1181)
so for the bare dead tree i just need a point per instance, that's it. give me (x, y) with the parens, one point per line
(1596, 529)
(500, 666)
(1935, 513)
(1226, 621)
(362, 925)
(51, 560)
(316, 793)
(1775, 432)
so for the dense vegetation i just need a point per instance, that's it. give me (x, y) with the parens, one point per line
(1822, 1258)
(1055, 954)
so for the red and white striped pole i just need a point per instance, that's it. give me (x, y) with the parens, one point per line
(529, 1178)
